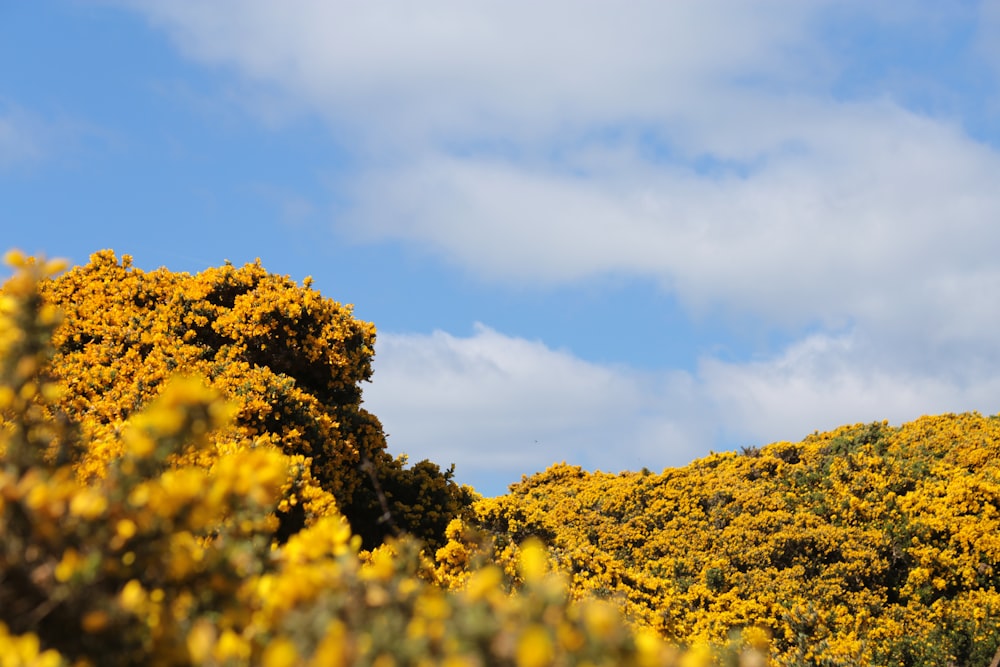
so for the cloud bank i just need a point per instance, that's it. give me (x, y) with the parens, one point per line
(716, 147)
(448, 71)
(500, 406)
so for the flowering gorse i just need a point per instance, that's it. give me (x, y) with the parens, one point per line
(187, 478)
(288, 360)
(867, 545)
(173, 554)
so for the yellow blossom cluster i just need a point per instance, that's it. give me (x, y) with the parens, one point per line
(168, 557)
(289, 360)
(187, 478)
(123, 562)
(867, 545)
(25, 651)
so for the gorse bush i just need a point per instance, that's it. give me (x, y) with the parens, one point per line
(289, 360)
(868, 545)
(187, 477)
(173, 554)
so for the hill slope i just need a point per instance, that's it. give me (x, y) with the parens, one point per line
(867, 545)
(864, 545)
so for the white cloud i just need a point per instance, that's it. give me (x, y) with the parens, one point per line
(822, 381)
(697, 143)
(500, 406)
(19, 139)
(545, 143)
(451, 71)
(882, 219)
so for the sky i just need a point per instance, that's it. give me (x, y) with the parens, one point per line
(615, 234)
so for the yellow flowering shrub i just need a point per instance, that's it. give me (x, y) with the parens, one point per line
(187, 478)
(867, 545)
(288, 359)
(118, 565)
(173, 553)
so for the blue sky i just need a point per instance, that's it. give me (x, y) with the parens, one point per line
(615, 234)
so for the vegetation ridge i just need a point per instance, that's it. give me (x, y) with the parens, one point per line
(188, 477)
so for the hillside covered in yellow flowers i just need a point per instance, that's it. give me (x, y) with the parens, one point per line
(867, 545)
(187, 477)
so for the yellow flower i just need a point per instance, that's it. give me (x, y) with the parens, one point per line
(535, 648)
(25, 650)
(699, 655)
(432, 605)
(69, 565)
(649, 647)
(484, 582)
(334, 648)
(88, 504)
(757, 638)
(54, 266)
(570, 639)
(280, 652)
(15, 258)
(460, 661)
(185, 553)
(6, 397)
(381, 565)
(125, 529)
(600, 619)
(132, 595)
(139, 444)
(231, 647)
(200, 640)
(534, 562)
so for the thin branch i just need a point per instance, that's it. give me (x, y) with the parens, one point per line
(386, 517)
